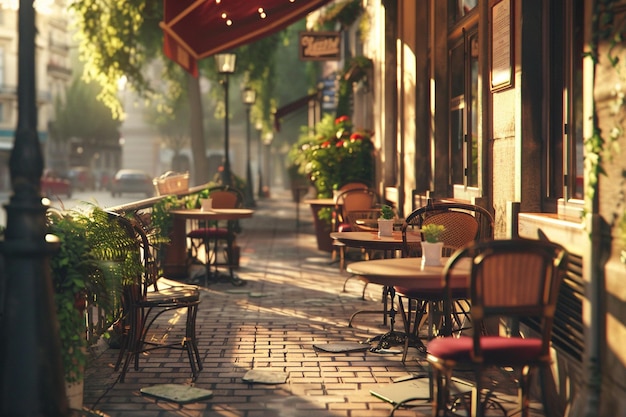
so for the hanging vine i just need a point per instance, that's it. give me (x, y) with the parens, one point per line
(608, 28)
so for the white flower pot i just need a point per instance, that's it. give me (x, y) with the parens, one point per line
(431, 253)
(74, 392)
(206, 204)
(385, 227)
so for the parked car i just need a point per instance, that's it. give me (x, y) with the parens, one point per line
(132, 181)
(52, 184)
(82, 178)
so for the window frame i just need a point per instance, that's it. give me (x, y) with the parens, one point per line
(463, 37)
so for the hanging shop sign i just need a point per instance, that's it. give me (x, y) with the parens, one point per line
(320, 46)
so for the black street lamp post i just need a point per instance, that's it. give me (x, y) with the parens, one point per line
(226, 66)
(249, 97)
(32, 379)
(267, 141)
(259, 129)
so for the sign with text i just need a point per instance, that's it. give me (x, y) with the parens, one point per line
(320, 46)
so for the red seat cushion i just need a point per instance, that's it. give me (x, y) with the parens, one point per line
(431, 290)
(496, 349)
(208, 233)
(344, 227)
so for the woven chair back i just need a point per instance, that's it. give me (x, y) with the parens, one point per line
(464, 223)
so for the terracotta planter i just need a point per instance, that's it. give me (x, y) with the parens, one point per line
(322, 230)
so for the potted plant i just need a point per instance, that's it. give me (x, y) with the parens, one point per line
(431, 244)
(92, 264)
(385, 222)
(336, 154)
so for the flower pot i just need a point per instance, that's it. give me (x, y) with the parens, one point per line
(322, 229)
(74, 392)
(385, 227)
(431, 253)
(206, 204)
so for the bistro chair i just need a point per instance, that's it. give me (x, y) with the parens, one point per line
(514, 279)
(350, 204)
(464, 223)
(147, 299)
(211, 234)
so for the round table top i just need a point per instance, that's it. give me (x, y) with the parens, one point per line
(371, 240)
(373, 223)
(409, 272)
(215, 213)
(322, 202)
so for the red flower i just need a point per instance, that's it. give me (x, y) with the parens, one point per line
(325, 144)
(339, 144)
(341, 119)
(356, 136)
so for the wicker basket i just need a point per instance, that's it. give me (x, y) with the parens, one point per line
(171, 183)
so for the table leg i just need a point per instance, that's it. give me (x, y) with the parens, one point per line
(212, 263)
(392, 337)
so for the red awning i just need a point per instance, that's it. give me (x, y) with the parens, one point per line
(196, 29)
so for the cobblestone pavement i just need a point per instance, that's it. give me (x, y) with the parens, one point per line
(293, 300)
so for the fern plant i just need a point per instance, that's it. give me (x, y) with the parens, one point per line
(96, 258)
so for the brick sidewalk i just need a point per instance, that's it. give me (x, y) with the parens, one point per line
(293, 300)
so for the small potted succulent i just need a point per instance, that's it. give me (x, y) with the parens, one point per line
(385, 222)
(432, 244)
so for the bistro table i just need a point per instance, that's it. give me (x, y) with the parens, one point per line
(179, 232)
(407, 273)
(369, 241)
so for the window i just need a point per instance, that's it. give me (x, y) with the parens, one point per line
(564, 129)
(2, 63)
(574, 105)
(459, 9)
(463, 146)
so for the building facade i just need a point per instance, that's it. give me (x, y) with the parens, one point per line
(500, 103)
(53, 74)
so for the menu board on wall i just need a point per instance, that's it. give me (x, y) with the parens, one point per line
(501, 45)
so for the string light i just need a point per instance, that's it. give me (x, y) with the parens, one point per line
(228, 21)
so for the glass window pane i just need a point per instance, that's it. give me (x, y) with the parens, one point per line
(459, 8)
(472, 179)
(576, 140)
(456, 146)
(457, 71)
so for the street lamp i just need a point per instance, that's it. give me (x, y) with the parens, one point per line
(248, 96)
(259, 129)
(226, 66)
(267, 140)
(32, 380)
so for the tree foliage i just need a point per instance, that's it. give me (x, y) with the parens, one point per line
(115, 39)
(118, 38)
(83, 116)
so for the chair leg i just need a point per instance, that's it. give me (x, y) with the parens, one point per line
(441, 393)
(346, 282)
(342, 259)
(477, 405)
(523, 391)
(191, 343)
